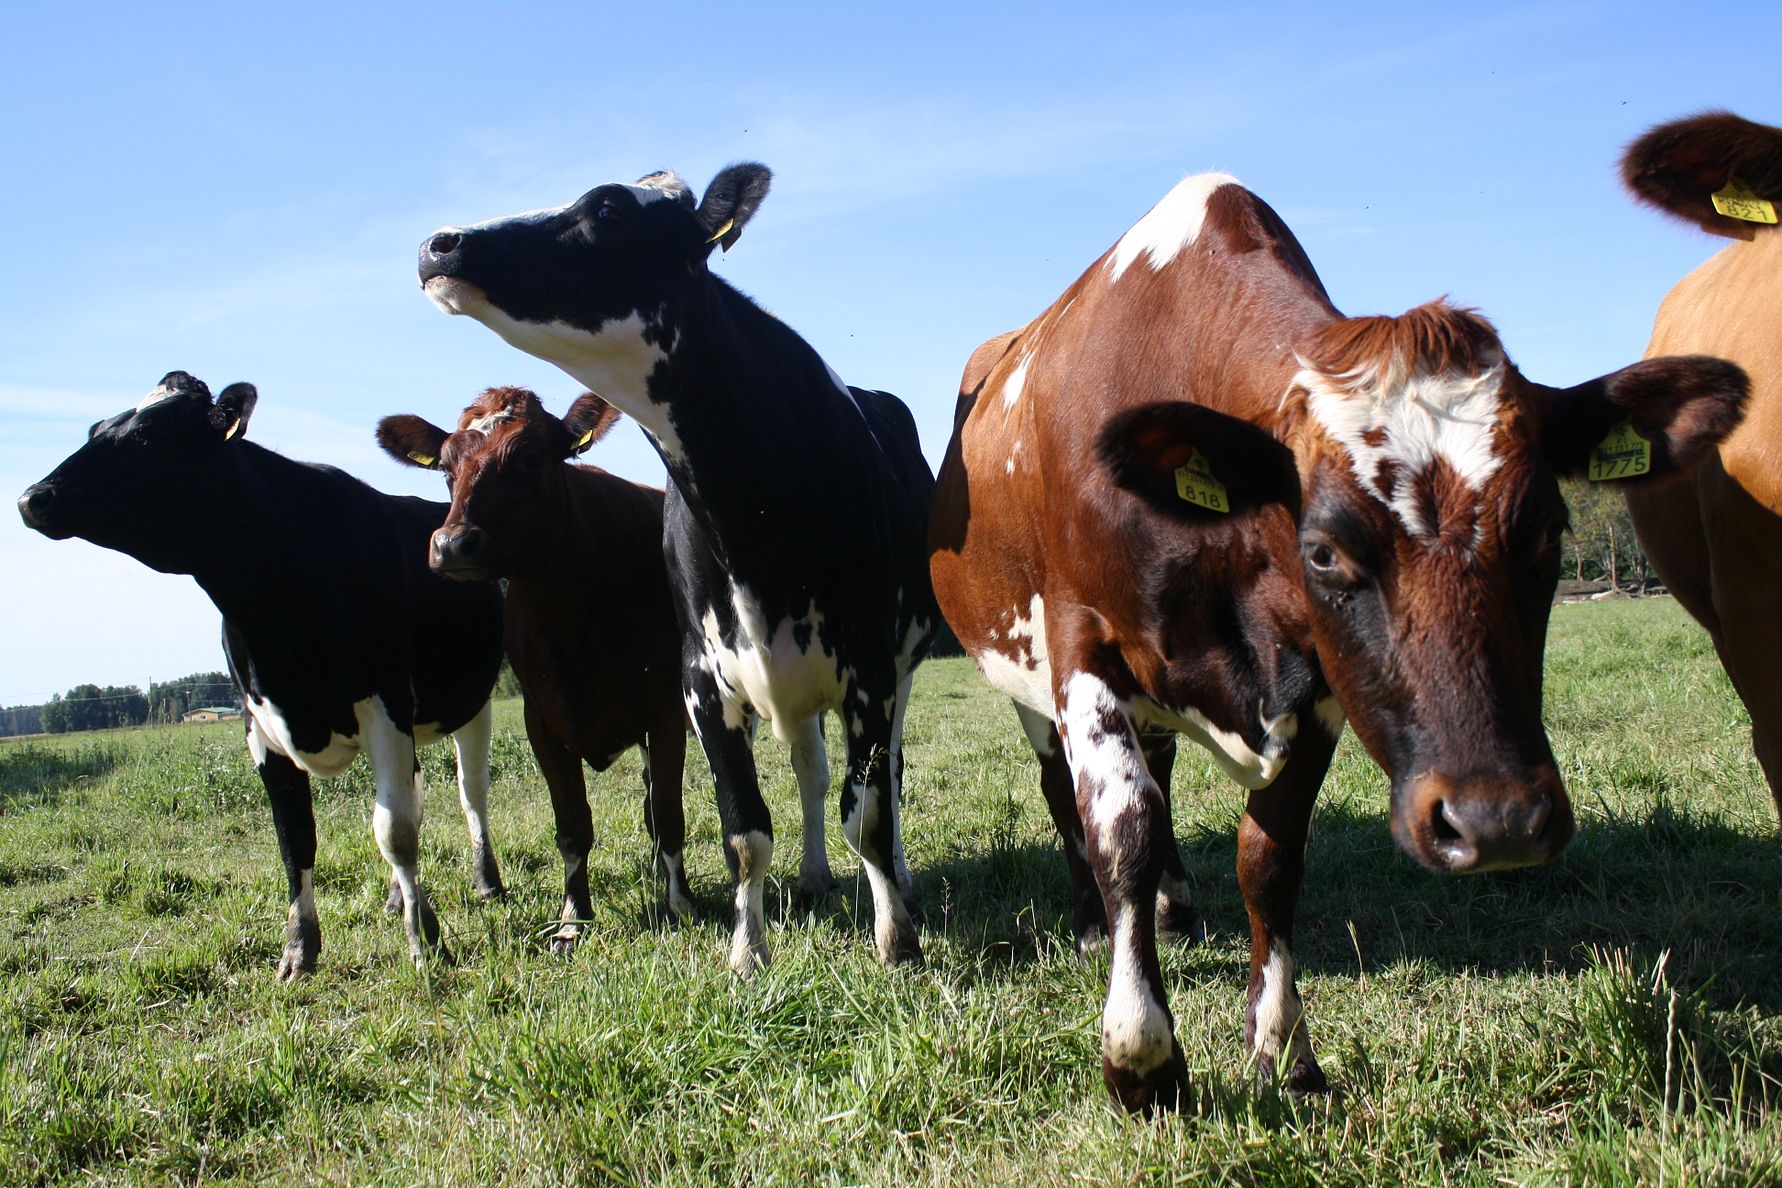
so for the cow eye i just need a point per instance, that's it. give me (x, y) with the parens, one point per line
(1320, 557)
(608, 213)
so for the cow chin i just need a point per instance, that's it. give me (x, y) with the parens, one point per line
(1471, 824)
(455, 296)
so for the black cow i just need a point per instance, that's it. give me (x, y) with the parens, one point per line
(797, 507)
(332, 623)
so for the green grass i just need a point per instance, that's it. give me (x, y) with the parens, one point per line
(1615, 1017)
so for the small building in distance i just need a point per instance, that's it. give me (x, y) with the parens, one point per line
(212, 713)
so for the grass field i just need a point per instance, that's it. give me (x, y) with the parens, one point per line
(1616, 1017)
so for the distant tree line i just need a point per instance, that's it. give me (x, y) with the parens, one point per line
(170, 701)
(90, 707)
(1601, 545)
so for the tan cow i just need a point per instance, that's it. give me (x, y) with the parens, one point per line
(1716, 540)
(1193, 498)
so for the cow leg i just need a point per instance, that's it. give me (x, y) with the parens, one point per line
(1271, 868)
(574, 825)
(294, 823)
(664, 757)
(1126, 829)
(471, 741)
(810, 763)
(869, 818)
(396, 823)
(392, 903)
(905, 883)
(724, 731)
(1176, 917)
(1087, 919)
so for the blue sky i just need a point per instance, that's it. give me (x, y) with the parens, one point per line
(238, 191)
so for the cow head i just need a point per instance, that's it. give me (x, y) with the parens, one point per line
(1683, 166)
(1430, 524)
(504, 468)
(596, 286)
(147, 482)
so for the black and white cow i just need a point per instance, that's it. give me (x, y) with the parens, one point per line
(797, 506)
(338, 636)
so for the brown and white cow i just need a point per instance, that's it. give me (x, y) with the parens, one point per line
(589, 624)
(1716, 540)
(1191, 497)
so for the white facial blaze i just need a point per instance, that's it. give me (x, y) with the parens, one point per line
(1168, 227)
(1415, 417)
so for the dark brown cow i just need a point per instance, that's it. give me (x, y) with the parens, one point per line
(1191, 497)
(1716, 540)
(590, 627)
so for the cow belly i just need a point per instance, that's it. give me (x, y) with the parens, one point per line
(273, 733)
(1238, 759)
(772, 674)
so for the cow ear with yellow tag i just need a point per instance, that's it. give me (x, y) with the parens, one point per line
(1643, 424)
(412, 441)
(1194, 464)
(235, 404)
(588, 420)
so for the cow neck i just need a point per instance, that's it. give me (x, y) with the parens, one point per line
(557, 573)
(747, 398)
(278, 523)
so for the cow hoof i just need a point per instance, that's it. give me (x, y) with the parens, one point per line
(1092, 944)
(294, 967)
(393, 901)
(900, 947)
(487, 877)
(680, 908)
(563, 943)
(747, 960)
(1305, 1079)
(1179, 923)
(815, 885)
(1163, 1089)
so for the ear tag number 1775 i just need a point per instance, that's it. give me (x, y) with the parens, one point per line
(1195, 484)
(1622, 454)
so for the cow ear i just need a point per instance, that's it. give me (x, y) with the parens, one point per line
(730, 202)
(587, 421)
(412, 441)
(1195, 464)
(1646, 423)
(235, 404)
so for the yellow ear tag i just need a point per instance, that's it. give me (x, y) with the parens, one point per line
(721, 232)
(582, 441)
(1195, 484)
(421, 459)
(1737, 202)
(1622, 454)
(234, 429)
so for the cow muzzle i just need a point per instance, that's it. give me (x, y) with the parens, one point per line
(36, 509)
(460, 553)
(1462, 825)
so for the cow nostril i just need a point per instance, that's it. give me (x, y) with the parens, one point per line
(1442, 823)
(445, 243)
(1540, 820)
